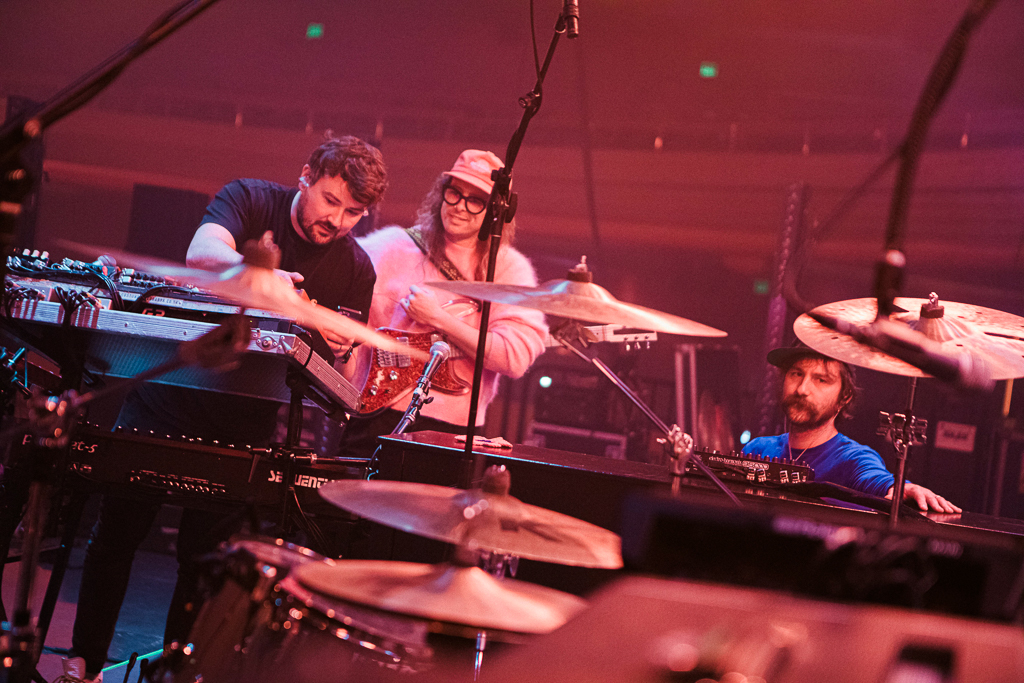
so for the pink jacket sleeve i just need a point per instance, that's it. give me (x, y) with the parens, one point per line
(516, 335)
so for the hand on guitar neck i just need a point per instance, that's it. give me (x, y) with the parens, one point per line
(336, 340)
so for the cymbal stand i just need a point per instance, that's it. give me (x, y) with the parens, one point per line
(51, 420)
(292, 440)
(905, 431)
(478, 655)
(682, 443)
(497, 480)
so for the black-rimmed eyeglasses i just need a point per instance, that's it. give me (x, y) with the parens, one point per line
(474, 205)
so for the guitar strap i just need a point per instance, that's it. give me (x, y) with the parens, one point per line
(443, 264)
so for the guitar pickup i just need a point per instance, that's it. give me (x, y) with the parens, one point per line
(401, 359)
(391, 359)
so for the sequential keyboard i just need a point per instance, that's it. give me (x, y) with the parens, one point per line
(195, 473)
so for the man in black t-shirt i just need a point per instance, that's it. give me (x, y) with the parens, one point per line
(310, 224)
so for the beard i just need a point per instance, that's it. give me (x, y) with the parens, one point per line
(806, 415)
(316, 232)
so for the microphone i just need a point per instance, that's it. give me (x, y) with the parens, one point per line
(439, 353)
(571, 16)
(964, 369)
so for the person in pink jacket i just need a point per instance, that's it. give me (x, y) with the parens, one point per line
(443, 245)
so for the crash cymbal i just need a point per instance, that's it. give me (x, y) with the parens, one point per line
(254, 287)
(479, 520)
(994, 336)
(579, 298)
(443, 592)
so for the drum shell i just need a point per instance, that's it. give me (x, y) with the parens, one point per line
(249, 571)
(315, 638)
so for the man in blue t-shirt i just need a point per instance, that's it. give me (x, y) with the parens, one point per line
(815, 391)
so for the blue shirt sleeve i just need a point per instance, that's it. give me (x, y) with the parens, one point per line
(851, 464)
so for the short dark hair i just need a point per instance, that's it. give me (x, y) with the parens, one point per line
(848, 390)
(358, 163)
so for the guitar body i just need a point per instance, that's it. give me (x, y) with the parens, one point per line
(393, 375)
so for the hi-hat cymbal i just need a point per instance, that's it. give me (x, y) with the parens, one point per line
(479, 520)
(994, 336)
(579, 299)
(253, 287)
(460, 595)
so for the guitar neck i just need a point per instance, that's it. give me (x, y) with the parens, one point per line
(601, 333)
(611, 333)
(423, 341)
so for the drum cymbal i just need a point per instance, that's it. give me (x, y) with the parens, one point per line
(253, 287)
(579, 298)
(443, 592)
(994, 336)
(479, 520)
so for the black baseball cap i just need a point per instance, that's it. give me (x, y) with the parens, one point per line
(785, 356)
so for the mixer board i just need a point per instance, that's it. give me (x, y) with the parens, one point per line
(108, 287)
(754, 469)
(126, 322)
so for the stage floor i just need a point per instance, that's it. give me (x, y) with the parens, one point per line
(140, 627)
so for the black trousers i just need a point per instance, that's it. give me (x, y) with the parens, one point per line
(124, 523)
(122, 526)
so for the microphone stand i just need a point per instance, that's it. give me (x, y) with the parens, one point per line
(420, 396)
(889, 270)
(15, 180)
(501, 209)
(419, 399)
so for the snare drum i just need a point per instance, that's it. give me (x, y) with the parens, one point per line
(252, 567)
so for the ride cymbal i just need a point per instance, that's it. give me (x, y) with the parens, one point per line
(479, 520)
(997, 338)
(580, 299)
(257, 287)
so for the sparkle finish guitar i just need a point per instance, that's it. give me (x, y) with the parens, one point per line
(394, 375)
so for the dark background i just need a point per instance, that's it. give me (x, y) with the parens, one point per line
(685, 201)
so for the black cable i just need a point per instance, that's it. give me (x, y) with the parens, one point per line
(137, 305)
(939, 82)
(116, 302)
(16, 267)
(309, 525)
(533, 36)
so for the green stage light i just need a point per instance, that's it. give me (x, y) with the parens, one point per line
(708, 70)
(314, 31)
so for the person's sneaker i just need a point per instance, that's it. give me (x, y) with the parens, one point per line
(74, 672)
